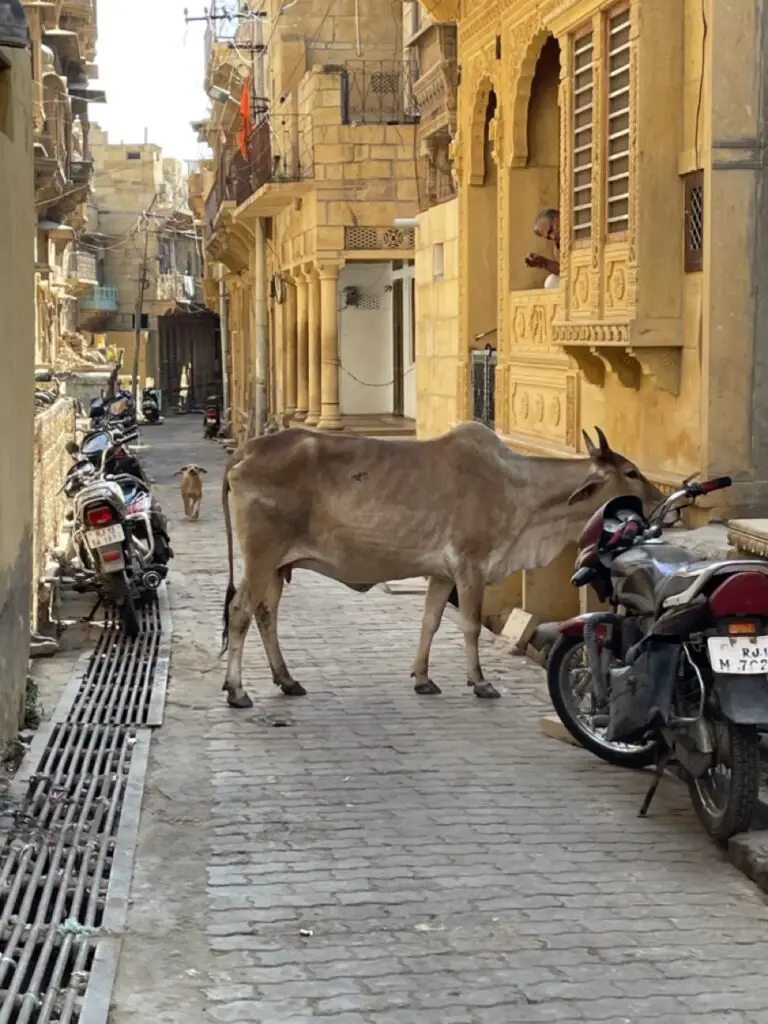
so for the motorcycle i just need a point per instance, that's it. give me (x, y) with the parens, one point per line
(150, 405)
(120, 533)
(211, 418)
(676, 673)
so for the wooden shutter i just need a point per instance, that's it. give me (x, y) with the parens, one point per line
(618, 99)
(583, 123)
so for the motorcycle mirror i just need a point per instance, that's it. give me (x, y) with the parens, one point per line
(72, 447)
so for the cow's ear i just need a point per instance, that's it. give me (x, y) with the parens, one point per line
(587, 489)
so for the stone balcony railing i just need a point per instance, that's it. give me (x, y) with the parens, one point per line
(81, 267)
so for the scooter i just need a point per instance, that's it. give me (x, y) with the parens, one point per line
(211, 418)
(150, 405)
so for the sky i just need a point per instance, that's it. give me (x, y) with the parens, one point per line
(151, 68)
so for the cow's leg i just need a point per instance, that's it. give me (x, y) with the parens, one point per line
(265, 613)
(434, 606)
(195, 511)
(240, 615)
(471, 588)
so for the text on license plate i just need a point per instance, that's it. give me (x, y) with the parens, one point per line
(107, 535)
(739, 655)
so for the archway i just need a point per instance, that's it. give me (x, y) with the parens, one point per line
(534, 175)
(482, 225)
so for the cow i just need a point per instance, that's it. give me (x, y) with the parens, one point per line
(462, 509)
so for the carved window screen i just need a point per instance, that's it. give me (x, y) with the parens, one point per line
(583, 122)
(618, 99)
(694, 221)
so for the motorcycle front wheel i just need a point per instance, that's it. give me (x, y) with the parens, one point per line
(725, 797)
(126, 609)
(569, 681)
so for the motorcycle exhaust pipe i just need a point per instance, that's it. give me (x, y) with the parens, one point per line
(151, 579)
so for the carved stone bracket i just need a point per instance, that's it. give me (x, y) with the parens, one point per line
(621, 363)
(662, 365)
(591, 366)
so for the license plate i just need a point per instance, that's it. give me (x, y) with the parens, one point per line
(209, 419)
(739, 655)
(105, 536)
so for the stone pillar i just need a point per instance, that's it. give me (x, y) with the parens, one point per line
(289, 351)
(314, 361)
(329, 347)
(302, 348)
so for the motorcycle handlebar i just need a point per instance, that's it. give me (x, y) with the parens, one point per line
(719, 483)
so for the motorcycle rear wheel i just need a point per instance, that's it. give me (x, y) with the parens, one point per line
(725, 810)
(124, 603)
(559, 667)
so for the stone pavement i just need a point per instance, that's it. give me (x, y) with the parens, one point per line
(366, 856)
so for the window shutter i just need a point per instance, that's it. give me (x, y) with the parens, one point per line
(583, 122)
(617, 183)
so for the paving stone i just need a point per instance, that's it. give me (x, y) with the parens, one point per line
(452, 865)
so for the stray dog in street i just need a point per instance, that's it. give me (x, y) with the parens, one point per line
(191, 489)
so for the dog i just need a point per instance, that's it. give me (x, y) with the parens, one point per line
(191, 489)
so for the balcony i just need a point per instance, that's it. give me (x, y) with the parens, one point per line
(178, 289)
(100, 298)
(80, 270)
(279, 167)
(377, 92)
(222, 191)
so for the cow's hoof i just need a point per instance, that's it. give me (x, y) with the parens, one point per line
(487, 691)
(293, 689)
(427, 688)
(243, 701)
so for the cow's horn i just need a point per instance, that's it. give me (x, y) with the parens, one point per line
(605, 448)
(592, 451)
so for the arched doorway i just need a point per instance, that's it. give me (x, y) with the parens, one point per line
(534, 178)
(482, 224)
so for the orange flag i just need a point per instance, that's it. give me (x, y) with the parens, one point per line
(245, 111)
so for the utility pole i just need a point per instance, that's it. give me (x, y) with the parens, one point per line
(261, 347)
(140, 305)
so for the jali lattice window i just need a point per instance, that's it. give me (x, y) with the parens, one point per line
(618, 98)
(694, 221)
(583, 122)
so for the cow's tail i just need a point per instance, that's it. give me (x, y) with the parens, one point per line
(231, 590)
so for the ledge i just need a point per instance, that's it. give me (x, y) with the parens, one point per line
(631, 350)
(749, 536)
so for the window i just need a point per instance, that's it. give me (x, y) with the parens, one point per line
(583, 118)
(438, 264)
(617, 150)
(694, 221)
(132, 154)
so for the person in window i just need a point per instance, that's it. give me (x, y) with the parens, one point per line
(547, 225)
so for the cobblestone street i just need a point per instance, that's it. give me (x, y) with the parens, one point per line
(366, 856)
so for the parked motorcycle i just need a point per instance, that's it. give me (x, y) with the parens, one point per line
(120, 533)
(211, 417)
(677, 672)
(150, 405)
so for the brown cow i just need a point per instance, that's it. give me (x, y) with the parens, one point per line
(460, 509)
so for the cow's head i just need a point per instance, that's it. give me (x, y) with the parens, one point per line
(190, 470)
(611, 475)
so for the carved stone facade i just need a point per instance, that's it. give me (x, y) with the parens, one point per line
(556, 101)
(433, 59)
(618, 115)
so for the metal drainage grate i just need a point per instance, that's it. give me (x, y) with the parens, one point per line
(65, 873)
(124, 680)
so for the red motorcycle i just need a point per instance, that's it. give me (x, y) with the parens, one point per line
(676, 673)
